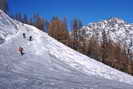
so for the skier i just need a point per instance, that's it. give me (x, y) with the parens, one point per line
(24, 35)
(30, 38)
(0, 13)
(20, 49)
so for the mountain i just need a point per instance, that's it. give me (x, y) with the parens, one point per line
(48, 64)
(117, 30)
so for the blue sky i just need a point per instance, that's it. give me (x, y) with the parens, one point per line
(86, 10)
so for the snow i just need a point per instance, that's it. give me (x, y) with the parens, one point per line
(48, 64)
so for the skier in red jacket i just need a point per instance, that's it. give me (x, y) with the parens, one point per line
(20, 49)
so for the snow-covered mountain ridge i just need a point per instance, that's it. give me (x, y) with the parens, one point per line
(48, 64)
(116, 29)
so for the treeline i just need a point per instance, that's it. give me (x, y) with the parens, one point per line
(106, 51)
(4, 5)
(36, 20)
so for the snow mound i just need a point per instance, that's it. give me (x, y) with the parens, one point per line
(8, 26)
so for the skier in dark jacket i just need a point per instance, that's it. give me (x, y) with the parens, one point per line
(24, 35)
(30, 38)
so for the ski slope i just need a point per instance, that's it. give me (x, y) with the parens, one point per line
(48, 64)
